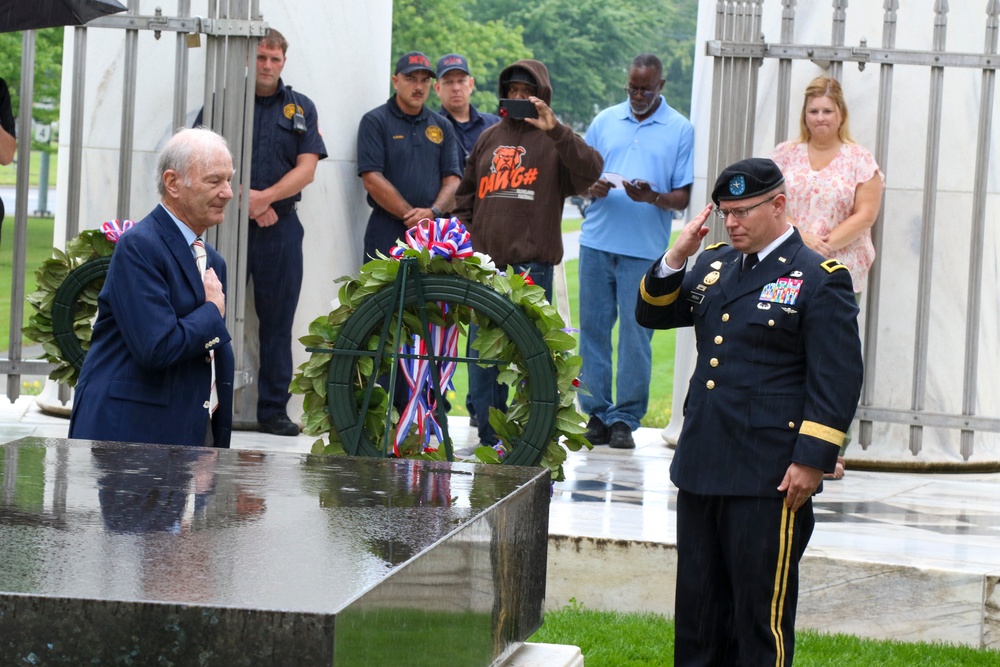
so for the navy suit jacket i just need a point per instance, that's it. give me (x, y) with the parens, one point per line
(147, 376)
(779, 368)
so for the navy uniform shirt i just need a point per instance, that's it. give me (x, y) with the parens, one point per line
(276, 145)
(414, 153)
(779, 368)
(469, 131)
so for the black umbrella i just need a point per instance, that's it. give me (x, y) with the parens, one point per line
(34, 14)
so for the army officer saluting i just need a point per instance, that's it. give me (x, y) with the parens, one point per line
(775, 388)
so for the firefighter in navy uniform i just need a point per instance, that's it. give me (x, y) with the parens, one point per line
(287, 146)
(776, 384)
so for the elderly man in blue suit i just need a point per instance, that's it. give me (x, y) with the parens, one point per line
(160, 365)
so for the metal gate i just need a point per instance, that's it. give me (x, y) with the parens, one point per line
(231, 32)
(738, 53)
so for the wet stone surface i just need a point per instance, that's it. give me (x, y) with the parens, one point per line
(141, 554)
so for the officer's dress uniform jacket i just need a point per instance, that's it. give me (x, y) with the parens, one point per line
(777, 380)
(779, 370)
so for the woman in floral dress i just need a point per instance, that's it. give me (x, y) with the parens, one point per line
(834, 185)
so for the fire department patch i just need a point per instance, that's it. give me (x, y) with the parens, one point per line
(434, 133)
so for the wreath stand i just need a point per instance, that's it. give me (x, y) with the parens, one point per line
(415, 289)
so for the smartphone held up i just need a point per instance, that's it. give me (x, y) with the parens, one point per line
(519, 109)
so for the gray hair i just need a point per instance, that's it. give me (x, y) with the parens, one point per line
(186, 148)
(644, 60)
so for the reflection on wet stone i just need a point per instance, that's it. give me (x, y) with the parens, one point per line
(136, 553)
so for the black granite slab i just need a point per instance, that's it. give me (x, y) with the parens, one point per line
(122, 554)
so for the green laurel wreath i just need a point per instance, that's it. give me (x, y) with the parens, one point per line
(89, 246)
(491, 342)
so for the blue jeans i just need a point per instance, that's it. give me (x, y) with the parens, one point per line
(484, 389)
(611, 285)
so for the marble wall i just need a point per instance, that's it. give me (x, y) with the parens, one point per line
(864, 598)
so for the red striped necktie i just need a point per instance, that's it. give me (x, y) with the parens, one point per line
(201, 258)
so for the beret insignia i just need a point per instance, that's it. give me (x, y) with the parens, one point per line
(737, 185)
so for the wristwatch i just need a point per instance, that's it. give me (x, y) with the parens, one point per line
(437, 212)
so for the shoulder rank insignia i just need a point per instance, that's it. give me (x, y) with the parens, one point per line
(715, 246)
(832, 265)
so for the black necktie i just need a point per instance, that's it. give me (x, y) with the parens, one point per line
(749, 262)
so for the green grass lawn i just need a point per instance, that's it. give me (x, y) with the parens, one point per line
(39, 250)
(612, 639)
(8, 174)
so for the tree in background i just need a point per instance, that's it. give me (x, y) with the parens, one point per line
(587, 45)
(48, 76)
(437, 27)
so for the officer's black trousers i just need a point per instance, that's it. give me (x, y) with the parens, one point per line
(737, 580)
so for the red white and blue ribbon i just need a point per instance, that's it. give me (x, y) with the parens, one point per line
(113, 229)
(430, 490)
(444, 238)
(450, 240)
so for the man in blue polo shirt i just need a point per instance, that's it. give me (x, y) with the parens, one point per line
(408, 158)
(648, 171)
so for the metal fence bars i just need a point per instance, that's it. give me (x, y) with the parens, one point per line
(740, 56)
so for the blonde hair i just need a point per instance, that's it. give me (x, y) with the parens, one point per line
(824, 86)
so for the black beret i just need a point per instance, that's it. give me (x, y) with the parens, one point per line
(747, 178)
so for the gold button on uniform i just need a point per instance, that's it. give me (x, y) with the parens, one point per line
(718, 340)
(770, 323)
(710, 384)
(713, 362)
(791, 424)
(725, 317)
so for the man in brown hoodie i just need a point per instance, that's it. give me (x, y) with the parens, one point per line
(511, 198)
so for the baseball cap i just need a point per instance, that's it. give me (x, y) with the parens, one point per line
(412, 62)
(452, 61)
(522, 75)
